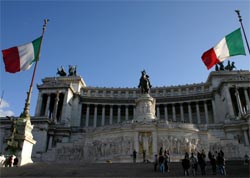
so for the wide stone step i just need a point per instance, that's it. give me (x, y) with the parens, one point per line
(233, 168)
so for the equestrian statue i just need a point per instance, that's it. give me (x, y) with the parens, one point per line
(144, 83)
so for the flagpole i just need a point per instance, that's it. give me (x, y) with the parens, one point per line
(26, 110)
(240, 20)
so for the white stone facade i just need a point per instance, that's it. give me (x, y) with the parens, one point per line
(74, 122)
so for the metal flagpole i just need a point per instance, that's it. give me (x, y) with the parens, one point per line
(26, 110)
(1, 98)
(240, 20)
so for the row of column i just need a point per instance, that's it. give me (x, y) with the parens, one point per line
(103, 114)
(50, 105)
(191, 113)
(238, 100)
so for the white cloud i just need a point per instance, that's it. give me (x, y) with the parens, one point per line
(4, 109)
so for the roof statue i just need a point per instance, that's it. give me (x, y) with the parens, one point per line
(72, 71)
(61, 71)
(144, 83)
(229, 67)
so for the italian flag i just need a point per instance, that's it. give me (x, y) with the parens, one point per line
(20, 58)
(230, 45)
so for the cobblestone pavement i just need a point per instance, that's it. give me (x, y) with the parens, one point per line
(112, 170)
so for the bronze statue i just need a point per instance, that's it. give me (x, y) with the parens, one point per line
(144, 83)
(61, 72)
(72, 70)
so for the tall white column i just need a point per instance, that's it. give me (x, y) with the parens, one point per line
(214, 111)
(95, 116)
(126, 112)
(174, 114)
(206, 111)
(87, 116)
(103, 115)
(238, 102)
(190, 113)
(158, 111)
(47, 106)
(246, 137)
(39, 104)
(55, 107)
(182, 113)
(119, 114)
(229, 102)
(111, 115)
(133, 112)
(198, 113)
(247, 99)
(166, 112)
(50, 142)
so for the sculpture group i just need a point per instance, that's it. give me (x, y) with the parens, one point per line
(72, 71)
(230, 66)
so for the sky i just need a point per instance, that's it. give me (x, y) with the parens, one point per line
(111, 42)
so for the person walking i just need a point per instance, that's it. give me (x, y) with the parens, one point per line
(161, 164)
(221, 164)
(155, 162)
(193, 164)
(186, 164)
(134, 156)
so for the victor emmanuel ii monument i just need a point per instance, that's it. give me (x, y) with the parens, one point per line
(75, 122)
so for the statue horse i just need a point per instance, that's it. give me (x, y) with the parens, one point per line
(144, 83)
(72, 70)
(61, 72)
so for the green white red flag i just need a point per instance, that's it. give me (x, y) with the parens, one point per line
(230, 45)
(20, 58)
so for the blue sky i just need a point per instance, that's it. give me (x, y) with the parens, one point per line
(111, 42)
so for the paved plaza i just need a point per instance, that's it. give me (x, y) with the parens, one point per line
(119, 170)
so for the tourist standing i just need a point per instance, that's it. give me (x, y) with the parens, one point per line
(167, 160)
(186, 164)
(144, 156)
(202, 162)
(155, 162)
(193, 164)
(134, 156)
(221, 164)
(161, 164)
(213, 164)
(246, 160)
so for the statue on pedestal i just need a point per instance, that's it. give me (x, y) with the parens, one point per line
(144, 83)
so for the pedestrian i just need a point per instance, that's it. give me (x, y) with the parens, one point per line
(202, 162)
(155, 162)
(213, 164)
(246, 160)
(15, 164)
(221, 164)
(186, 164)
(167, 160)
(161, 164)
(11, 161)
(134, 156)
(144, 156)
(193, 164)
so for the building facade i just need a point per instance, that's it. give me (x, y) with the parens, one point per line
(74, 122)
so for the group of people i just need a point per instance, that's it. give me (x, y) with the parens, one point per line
(8, 161)
(194, 161)
(162, 161)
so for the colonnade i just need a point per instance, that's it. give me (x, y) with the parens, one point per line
(197, 112)
(51, 105)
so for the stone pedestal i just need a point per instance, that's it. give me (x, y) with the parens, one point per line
(25, 141)
(145, 108)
